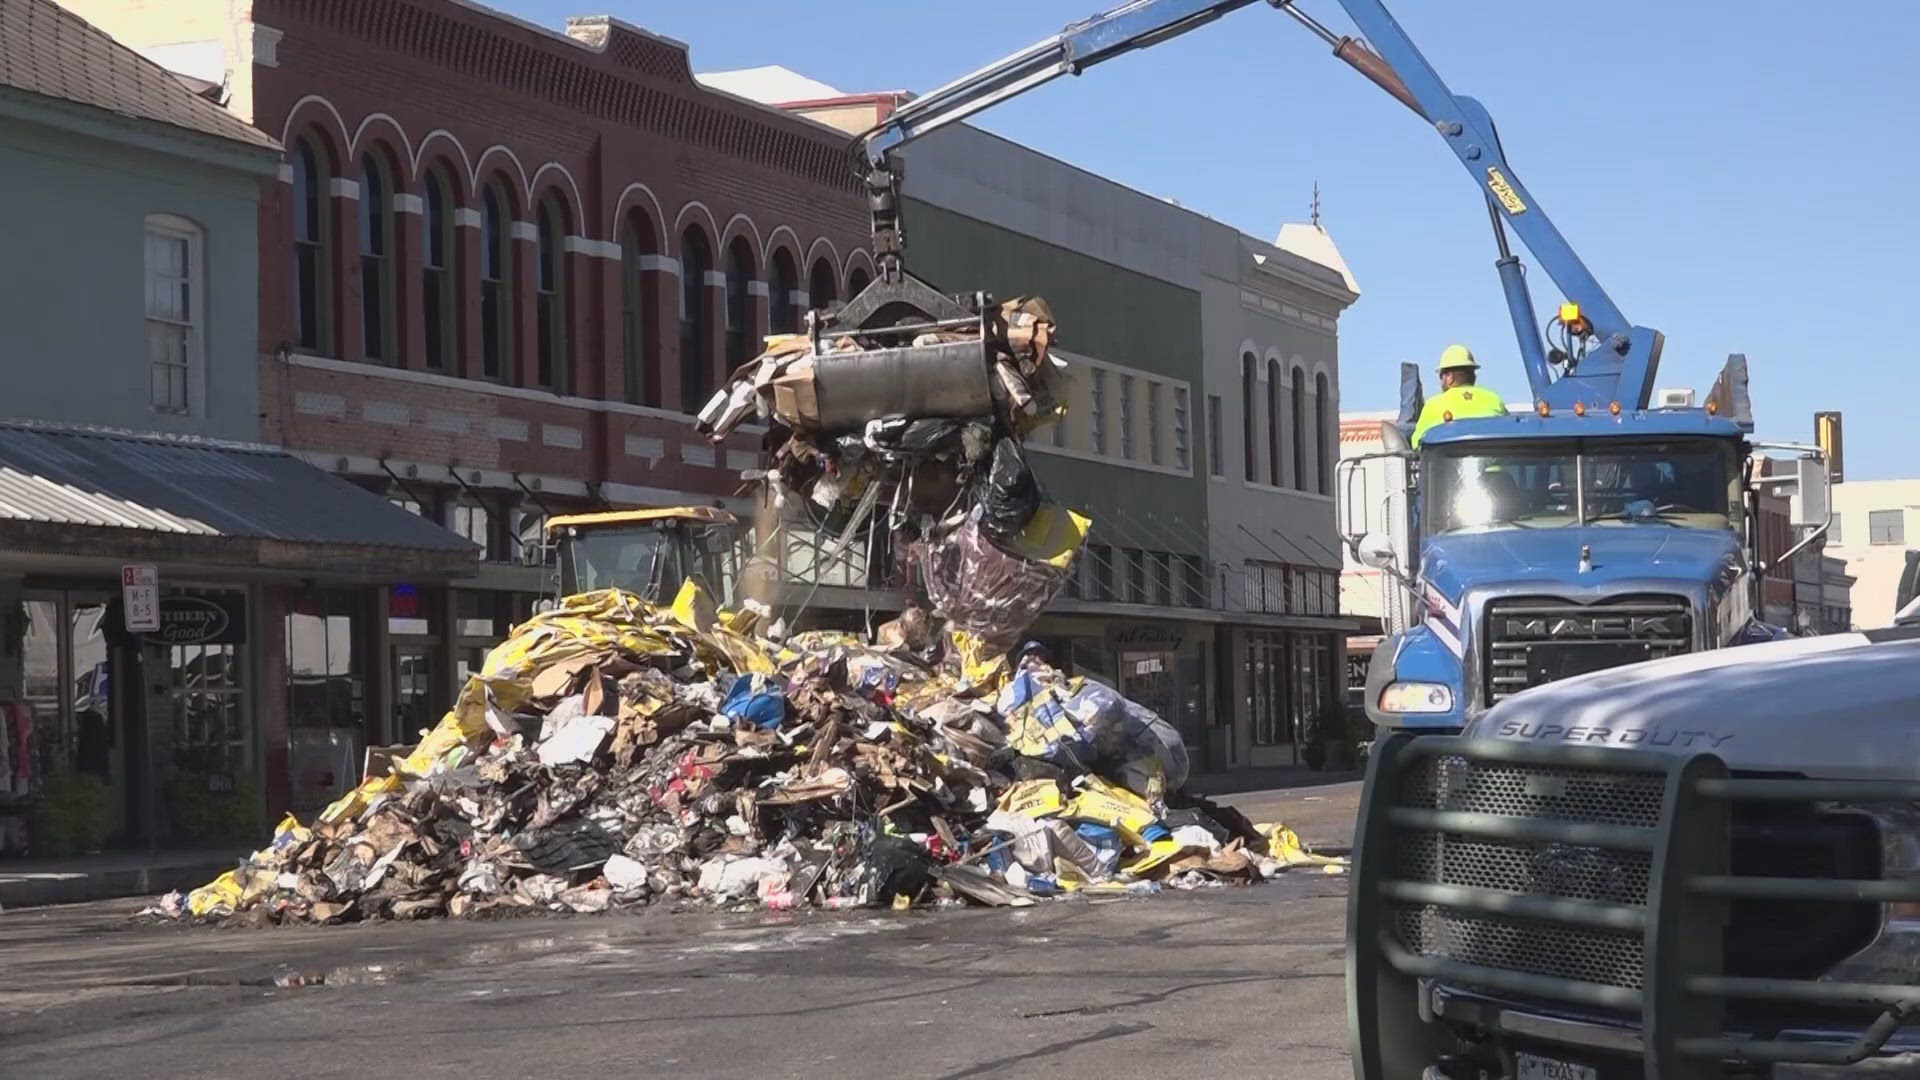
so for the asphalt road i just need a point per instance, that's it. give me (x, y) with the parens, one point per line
(1226, 982)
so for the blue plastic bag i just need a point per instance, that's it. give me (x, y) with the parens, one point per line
(758, 699)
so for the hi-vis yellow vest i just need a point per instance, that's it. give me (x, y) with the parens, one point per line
(1464, 402)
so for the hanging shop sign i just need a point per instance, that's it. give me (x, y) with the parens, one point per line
(1145, 635)
(219, 619)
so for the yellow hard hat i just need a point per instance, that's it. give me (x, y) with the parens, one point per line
(1457, 356)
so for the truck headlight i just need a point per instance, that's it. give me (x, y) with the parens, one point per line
(1416, 697)
(1894, 956)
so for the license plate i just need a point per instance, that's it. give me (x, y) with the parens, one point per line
(1530, 1067)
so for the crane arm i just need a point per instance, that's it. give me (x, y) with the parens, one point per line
(1624, 358)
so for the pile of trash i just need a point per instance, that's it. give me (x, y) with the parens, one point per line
(918, 435)
(612, 753)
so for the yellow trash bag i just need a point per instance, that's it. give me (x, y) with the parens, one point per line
(1033, 798)
(223, 891)
(1117, 808)
(1284, 845)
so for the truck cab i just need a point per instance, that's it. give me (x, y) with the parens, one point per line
(649, 552)
(1532, 548)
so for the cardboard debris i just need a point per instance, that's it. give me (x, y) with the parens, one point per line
(848, 775)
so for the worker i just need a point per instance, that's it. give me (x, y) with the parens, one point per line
(1459, 398)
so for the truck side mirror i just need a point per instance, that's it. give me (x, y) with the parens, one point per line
(1810, 507)
(1375, 551)
(1353, 507)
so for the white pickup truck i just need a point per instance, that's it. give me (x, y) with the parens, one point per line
(1700, 868)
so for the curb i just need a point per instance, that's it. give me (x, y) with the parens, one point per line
(38, 890)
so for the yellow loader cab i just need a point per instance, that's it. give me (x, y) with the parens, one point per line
(647, 552)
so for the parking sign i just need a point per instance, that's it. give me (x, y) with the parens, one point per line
(140, 598)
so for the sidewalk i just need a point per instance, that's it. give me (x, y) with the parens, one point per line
(33, 882)
(1272, 778)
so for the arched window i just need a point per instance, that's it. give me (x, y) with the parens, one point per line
(436, 269)
(1248, 383)
(376, 261)
(312, 264)
(782, 316)
(636, 243)
(1299, 430)
(1276, 465)
(857, 283)
(820, 287)
(739, 302)
(1323, 432)
(696, 258)
(497, 355)
(550, 302)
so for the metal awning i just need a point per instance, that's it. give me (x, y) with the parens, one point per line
(186, 498)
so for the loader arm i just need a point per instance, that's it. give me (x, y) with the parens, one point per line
(1609, 359)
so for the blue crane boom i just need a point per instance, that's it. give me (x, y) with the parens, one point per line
(1603, 358)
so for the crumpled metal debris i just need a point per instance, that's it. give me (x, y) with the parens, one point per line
(679, 758)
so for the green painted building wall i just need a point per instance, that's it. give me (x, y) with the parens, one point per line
(1106, 312)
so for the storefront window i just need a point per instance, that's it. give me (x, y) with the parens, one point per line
(206, 692)
(326, 680)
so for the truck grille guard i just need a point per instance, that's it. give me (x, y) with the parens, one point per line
(1684, 840)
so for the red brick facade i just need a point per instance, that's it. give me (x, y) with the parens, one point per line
(607, 126)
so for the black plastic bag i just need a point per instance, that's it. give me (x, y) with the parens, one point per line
(1012, 495)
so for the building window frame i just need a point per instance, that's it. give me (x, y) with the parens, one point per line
(1297, 410)
(1249, 386)
(740, 273)
(1323, 432)
(1276, 459)
(174, 273)
(1216, 439)
(375, 228)
(636, 243)
(1126, 418)
(1886, 527)
(438, 305)
(498, 355)
(1182, 429)
(312, 246)
(1155, 391)
(696, 375)
(1097, 409)
(783, 317)
(551, 301)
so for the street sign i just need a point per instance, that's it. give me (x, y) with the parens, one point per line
(140, 598)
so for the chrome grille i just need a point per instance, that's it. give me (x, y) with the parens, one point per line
(1568, 871)
(1584, 795)
(1531, 641)
(1560, 870)
(1595, 956)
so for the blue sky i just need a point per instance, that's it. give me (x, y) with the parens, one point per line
(1743, 176)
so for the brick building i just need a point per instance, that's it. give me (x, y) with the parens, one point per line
(500, 267)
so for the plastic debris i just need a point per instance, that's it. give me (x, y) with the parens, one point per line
(613, 753)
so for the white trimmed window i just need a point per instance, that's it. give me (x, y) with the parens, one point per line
(1097, 415)
(1182, 430)
(175, 314)
(1153, 422)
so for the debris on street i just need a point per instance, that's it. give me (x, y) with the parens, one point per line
(613, 753)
